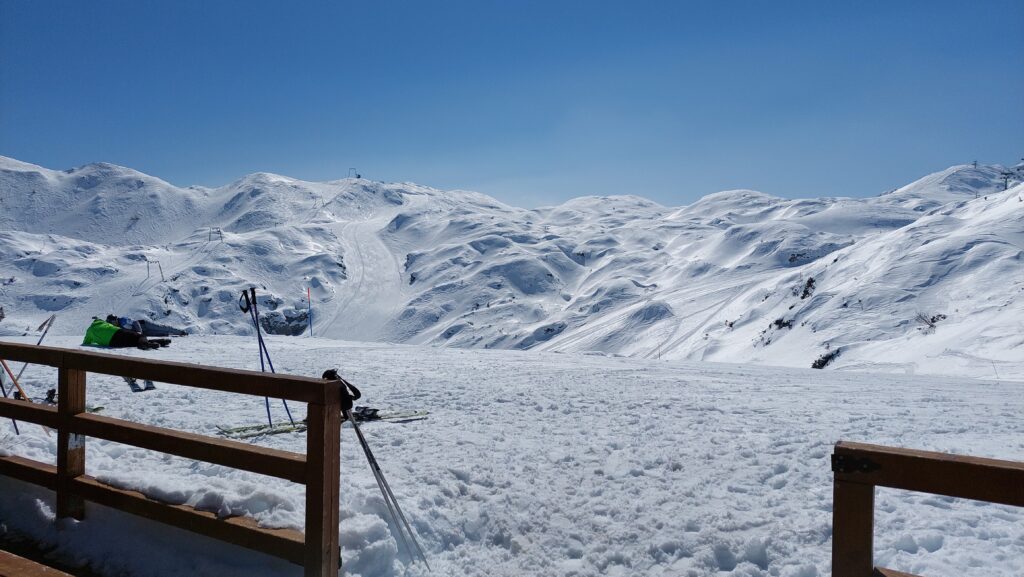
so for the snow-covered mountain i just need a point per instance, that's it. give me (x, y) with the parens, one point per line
(928, 277)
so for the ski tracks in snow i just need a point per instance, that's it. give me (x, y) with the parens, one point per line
(373, 292)
(583, 337)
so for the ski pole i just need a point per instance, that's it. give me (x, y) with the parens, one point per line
(383, 492)
(386, 489)
(47, 324)
(4, 390)
(252, 307)
(350, 393)
(259, 341)
(381, 483)
(259, 331)
(10, 373)
(263, 369)
(263, 346)
(247, 308)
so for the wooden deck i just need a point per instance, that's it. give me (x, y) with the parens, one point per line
(12, 565)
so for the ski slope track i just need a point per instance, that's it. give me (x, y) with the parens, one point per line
(374, 289)
(738, 276)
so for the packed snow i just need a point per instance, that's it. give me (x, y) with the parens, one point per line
(927, 278)
(535, 463)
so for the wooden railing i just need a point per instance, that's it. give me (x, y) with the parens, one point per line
(859, 468)
(317, 551)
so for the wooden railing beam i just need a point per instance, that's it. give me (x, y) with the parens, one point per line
(30, 412)
(284, 543)
(936, 473)
(323, 447)
(70, 446)
(853, 528)
(292, 388)
(29, 471)
(243, 456)
(883, 572)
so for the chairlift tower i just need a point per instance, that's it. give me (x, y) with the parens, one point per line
(353, 173)
(1006, 178)
(159, 268)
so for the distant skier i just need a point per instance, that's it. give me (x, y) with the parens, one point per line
(103, 334)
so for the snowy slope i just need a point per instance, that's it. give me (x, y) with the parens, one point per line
(97, 202)
(726, 278)
(553, 465)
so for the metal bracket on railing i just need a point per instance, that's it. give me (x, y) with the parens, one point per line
(848, 464)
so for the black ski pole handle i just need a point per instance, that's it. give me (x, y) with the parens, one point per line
(352, 391)
(244, 307)
(349, 392)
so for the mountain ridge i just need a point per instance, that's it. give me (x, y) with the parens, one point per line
(736, 276)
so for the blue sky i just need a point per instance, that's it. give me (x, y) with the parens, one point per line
(531, 102)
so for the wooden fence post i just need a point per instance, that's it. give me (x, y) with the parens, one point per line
(70, 447)
(323, 462)
(853, 527)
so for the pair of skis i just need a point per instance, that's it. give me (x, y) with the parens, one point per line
(360, 414)
(51, 399)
